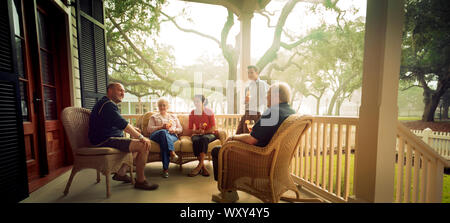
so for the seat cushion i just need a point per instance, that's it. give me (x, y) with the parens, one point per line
(156, 149)
(187, 147)
(184, 121)
(95, 151)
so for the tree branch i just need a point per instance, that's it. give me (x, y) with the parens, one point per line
(137, 51)
(190, 30)
(406, 88)
(271, 53)
(263, 13)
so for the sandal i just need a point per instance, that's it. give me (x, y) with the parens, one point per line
(193, 173)
(124, 178)
(205, 173)
(145, 185)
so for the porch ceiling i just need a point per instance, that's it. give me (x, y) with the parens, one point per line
(237, 6)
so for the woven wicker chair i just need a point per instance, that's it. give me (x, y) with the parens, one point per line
(264, 171)
(105, 160)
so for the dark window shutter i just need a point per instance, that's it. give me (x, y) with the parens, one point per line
(92, 51)
(6, 56)
(13, 172)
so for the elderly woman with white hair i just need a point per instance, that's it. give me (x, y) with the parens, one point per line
(163, 128)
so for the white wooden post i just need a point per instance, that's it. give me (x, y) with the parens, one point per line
(426, 135)
(376, 138)
(246, 28)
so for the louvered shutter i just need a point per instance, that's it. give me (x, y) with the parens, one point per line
(13, 172)
(92, 51)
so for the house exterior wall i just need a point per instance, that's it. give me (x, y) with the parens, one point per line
(74, 74)
(76, 87)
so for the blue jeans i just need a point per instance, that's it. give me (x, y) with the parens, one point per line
(165, 141)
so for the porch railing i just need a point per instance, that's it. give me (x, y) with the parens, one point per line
(439, 141)
(324, 161)
(419, 169)
(227, 123)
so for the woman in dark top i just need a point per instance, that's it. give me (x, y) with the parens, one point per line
(202, 124)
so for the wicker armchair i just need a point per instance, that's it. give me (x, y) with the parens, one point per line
(263, 171)
(105, 160)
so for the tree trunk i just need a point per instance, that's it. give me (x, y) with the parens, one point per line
(332, 102)
(431, 99)
(430, 109)
(446, 104)
(139, 110)
(232, 103)
(337, 112)
(445, 112)
(318, 105)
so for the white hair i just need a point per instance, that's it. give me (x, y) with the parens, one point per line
(283, 91)
(161, 100)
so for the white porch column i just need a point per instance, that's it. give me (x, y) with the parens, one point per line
(246, 27)
(245, 19)
(375, 153)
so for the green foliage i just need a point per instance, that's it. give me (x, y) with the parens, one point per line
(409, 100)
(446, 189)
(137, 22)
(426, 49)
(329, 60)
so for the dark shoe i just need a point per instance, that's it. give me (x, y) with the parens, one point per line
(194, 173)
(145, 185)
(125, 178)
(205, 173)
(226, 197)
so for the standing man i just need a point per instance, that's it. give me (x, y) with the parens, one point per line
(106, 127)
(255, 99)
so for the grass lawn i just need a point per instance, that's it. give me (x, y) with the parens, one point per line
(409, 118)
(445, 188)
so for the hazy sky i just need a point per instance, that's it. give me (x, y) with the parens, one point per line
(210, 19)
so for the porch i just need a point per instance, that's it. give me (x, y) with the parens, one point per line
(178, 188)
(323, 165)
(388, 164)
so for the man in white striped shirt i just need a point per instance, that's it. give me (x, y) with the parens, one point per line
(255, 99)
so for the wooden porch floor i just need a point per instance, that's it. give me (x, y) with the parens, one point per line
(178, 188)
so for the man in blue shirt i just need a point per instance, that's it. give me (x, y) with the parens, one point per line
(278, 97)
(106, 127)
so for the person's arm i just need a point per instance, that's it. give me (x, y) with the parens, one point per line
(112, 114)
(152, 126)
(132, 131)
(177, 128)
(210, 130)
(245, 138)
(247, 95)
(194, 131)
(135, 134)
(212, 121)
(191, 121)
